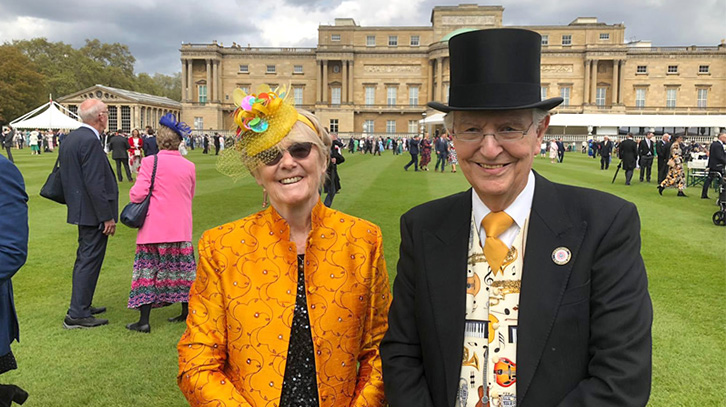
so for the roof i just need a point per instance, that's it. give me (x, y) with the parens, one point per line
(142, 97)
(52, 118)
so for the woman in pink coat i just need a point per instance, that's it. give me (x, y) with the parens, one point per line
(164, 267)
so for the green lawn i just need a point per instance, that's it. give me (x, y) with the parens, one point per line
(684, 253)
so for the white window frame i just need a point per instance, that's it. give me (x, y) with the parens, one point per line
(600, 95)
(393, 40)
(413, 96)
(370, 95)
(390, 126)
(335, 95)
(672, 69)
(546, 40)
(297, 93)
(643, 71)
(391, 95)
(271, 69)
(415, 40)
(202, 93)
(369, 126)
(702, 98)
(297, 69)
(199, 123)
(413, 126)
(370, 40)
(543, 92)
(565, 95)
(604, 36)
(333, 126)
(703, 69)
(244, 68)
(640, 94)
(671, 97)
(566, 40)
(335, 37)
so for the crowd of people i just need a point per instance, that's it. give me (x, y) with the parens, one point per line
(291, 306)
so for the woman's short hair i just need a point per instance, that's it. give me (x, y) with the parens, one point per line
(167, 139)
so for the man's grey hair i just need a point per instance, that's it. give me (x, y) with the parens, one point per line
(538, 115)
(89, 114)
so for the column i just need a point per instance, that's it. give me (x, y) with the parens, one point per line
(593, 82)
(621, 81)
(350, 82)
(430, 81)
(439, 78)
(190, 80)
(209, 80)
(324, 88)
(318, 81)
(344, 86)
(218, 83)
(586, 85)
(616, 81)
(214, 95)
(184, 80)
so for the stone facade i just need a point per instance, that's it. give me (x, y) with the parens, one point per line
(378, 79)
(127, 110)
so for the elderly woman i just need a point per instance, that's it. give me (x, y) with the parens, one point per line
(290, 303)
(675, 175)
(164, 267)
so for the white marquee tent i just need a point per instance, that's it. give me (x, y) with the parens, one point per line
(51, 118)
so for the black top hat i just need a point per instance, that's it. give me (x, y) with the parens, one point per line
(495, 69)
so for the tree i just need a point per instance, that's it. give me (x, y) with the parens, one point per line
(21, 85)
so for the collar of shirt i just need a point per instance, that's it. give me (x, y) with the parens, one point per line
(519, 211)
(92, 128)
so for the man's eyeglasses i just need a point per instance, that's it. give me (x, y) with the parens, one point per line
(506, 135)
(104, 112)
(298, 151)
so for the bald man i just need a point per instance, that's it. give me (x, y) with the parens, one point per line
(91, 193)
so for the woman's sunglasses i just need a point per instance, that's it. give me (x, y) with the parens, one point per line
(298, 151)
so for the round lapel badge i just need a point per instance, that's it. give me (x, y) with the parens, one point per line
(561, 256)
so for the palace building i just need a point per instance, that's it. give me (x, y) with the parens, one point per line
(377, 80)
(127, 110)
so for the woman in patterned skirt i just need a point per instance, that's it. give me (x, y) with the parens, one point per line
(452, 154)
(164, 268)
(136, 144)
(675, 175)
(425, 153)
(290, 304)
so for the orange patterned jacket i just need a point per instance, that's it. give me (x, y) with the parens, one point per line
(234, 350)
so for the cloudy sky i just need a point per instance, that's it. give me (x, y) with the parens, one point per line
(154, 29)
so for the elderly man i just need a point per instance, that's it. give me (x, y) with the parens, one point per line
(663, 149)
(716, 162)
(646, 151)
(91, 194)
(512, 296)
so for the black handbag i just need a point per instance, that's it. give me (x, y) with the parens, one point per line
(53, 187)
(134, 214)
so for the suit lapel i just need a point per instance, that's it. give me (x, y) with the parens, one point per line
(445, 267)
(543, 281)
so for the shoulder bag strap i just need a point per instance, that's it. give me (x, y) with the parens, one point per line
(153, 174)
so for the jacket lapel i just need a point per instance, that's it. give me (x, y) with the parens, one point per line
(543, 281)
(445, 267)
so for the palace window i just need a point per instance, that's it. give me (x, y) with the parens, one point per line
(126, 119)
(671, 97)
(202, 93)
(391, 92)
(640, 98)
(141, 114)
(415, 40)
(370, 41)
(335, 95)
(74, 109)
(604, 36)
(543, 92)
(413, 96)
(545, 39)
(368, 126)
(198, 123)
(298, 95)
(565, 95)
(672, 69)
(244, 69)
(335, 37)
(702, 98)
(271, 69)
(370, 95)
(390, 126)
(413, 126)
(600, 96)
(567, 39)
(112, 118)
(641, 69)
(297, 69)
(333, 125)
(703, 69)
(393, 40)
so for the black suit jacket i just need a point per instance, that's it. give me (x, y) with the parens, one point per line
(119, 146)
(716, 156)
(150, 147)
(644, 150)
(89, 185)
(628, 153)
(664, 151)
(606, 148)
(584, 328)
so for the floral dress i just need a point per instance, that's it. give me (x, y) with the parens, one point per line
(675, 171)
(136, 144)
(425, 153)
(452, 154)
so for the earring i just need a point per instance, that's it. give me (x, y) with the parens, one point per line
(264, 198)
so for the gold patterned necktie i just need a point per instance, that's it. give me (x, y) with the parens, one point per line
(495, 251)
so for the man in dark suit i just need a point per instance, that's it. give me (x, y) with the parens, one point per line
(606, 148)
(217, 144)
(511, 296)
(442, 152)
(646, 151)
(628, 153)
(6, 141)
(13, 253)
(560, 150)
(413, 147)
(119, 146)
(663, 149)
(91, 194)
(150, 147)
(332, 185)
(716, 162)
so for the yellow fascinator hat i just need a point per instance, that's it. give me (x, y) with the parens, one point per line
(262, 119)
